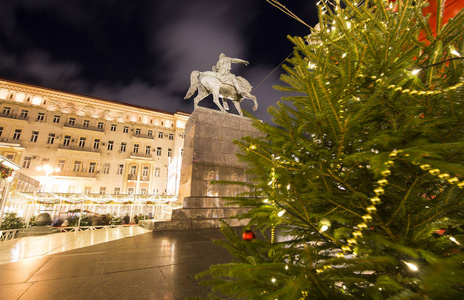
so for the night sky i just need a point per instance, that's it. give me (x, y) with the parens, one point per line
(142, 52)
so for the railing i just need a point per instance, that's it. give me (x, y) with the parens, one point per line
(143, 136)
(141, 154)
(11, 141)
(9, 234)
(77, 148)
(85, 228)
(17, 116)
(93, 128)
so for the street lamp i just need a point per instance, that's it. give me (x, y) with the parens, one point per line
(48, 170)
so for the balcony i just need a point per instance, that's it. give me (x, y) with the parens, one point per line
(16, 116)
(140, 155)
(142, 136)
(91, 128)
(11, 142)
(81, 173)
(77, 148)
(132, 177)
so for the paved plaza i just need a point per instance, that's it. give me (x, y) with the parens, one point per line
(119, 263)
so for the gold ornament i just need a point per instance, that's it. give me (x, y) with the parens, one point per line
(346, 248)
(382, 182)
(386, 173)
(362, 226)
(371, 208)
(357, 233)
(379, 191)
(340, 255)
(461, 185)
(351, 241)
(425, 167)
(453, 180)
(367, 217)
(444, 176)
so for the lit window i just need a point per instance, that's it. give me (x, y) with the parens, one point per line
(123, 147)
(96, 144)
(160, 135)
(34, 136)
(158, 151)
(40, 117)
(27, 162)
(100, 126)
(171, 136)
(113, 127)
(136, 148)
(82, 142)
(51, 138)
(17, 134)
(125, 129)
(169, 152)
(56, 119)
(110, 145)
(106, 169)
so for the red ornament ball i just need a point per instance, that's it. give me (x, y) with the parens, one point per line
(248, 235)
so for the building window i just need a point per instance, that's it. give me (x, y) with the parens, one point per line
(61, 163)
(130, 190)
(92, 166)
(17, 134)
(169, 152)
(110, 145)
(56, 119)
(72, 121)
(171, 136)
(6, 111)
(77, 165)
(157, 172)
(181, 152)
(87, 189)
(66, 140)
(125, 129)
(27, 162)
(160, 135)
(51, 138)
(145, 171)
(40, 117)
(150, 133)
(113, 127)
(100, 126)
(1, 131)
(24, 114)
(136, 148)
(71, 189)
(82, 142)
(120, 169)
(147, 149)
(137, 131)
(96, 144)
(45, 161)
(102, 190)
(133, 170)
(86, 124)
(143, 191)
(106, 169)
(123, 147)
(158, 151)
(34, 136)
(10, 156)
(117, 191)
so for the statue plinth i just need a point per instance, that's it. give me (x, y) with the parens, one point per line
(210, 155)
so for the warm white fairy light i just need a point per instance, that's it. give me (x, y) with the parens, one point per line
(324, 228)
(454, 240)
(273, 280)
(281, 213)
(343, 55)
(412, 266)
(415, 71)
(455, 53)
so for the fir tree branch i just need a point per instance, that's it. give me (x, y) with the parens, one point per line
(400, 206)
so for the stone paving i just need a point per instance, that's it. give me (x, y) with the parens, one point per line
(151, 265)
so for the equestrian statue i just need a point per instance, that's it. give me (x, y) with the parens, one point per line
(221, 83)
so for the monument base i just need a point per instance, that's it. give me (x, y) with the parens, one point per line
(210, 155)
(38, 230)
(201, 212)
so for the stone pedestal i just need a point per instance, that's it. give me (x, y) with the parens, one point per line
(209, 155)
(37, 230)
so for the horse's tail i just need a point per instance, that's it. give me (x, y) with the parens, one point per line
(193, 84)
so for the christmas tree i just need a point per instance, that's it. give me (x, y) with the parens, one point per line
(360, 181)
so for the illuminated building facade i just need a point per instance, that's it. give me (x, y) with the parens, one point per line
(79, 144)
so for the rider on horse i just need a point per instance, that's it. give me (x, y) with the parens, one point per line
(222, 69)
